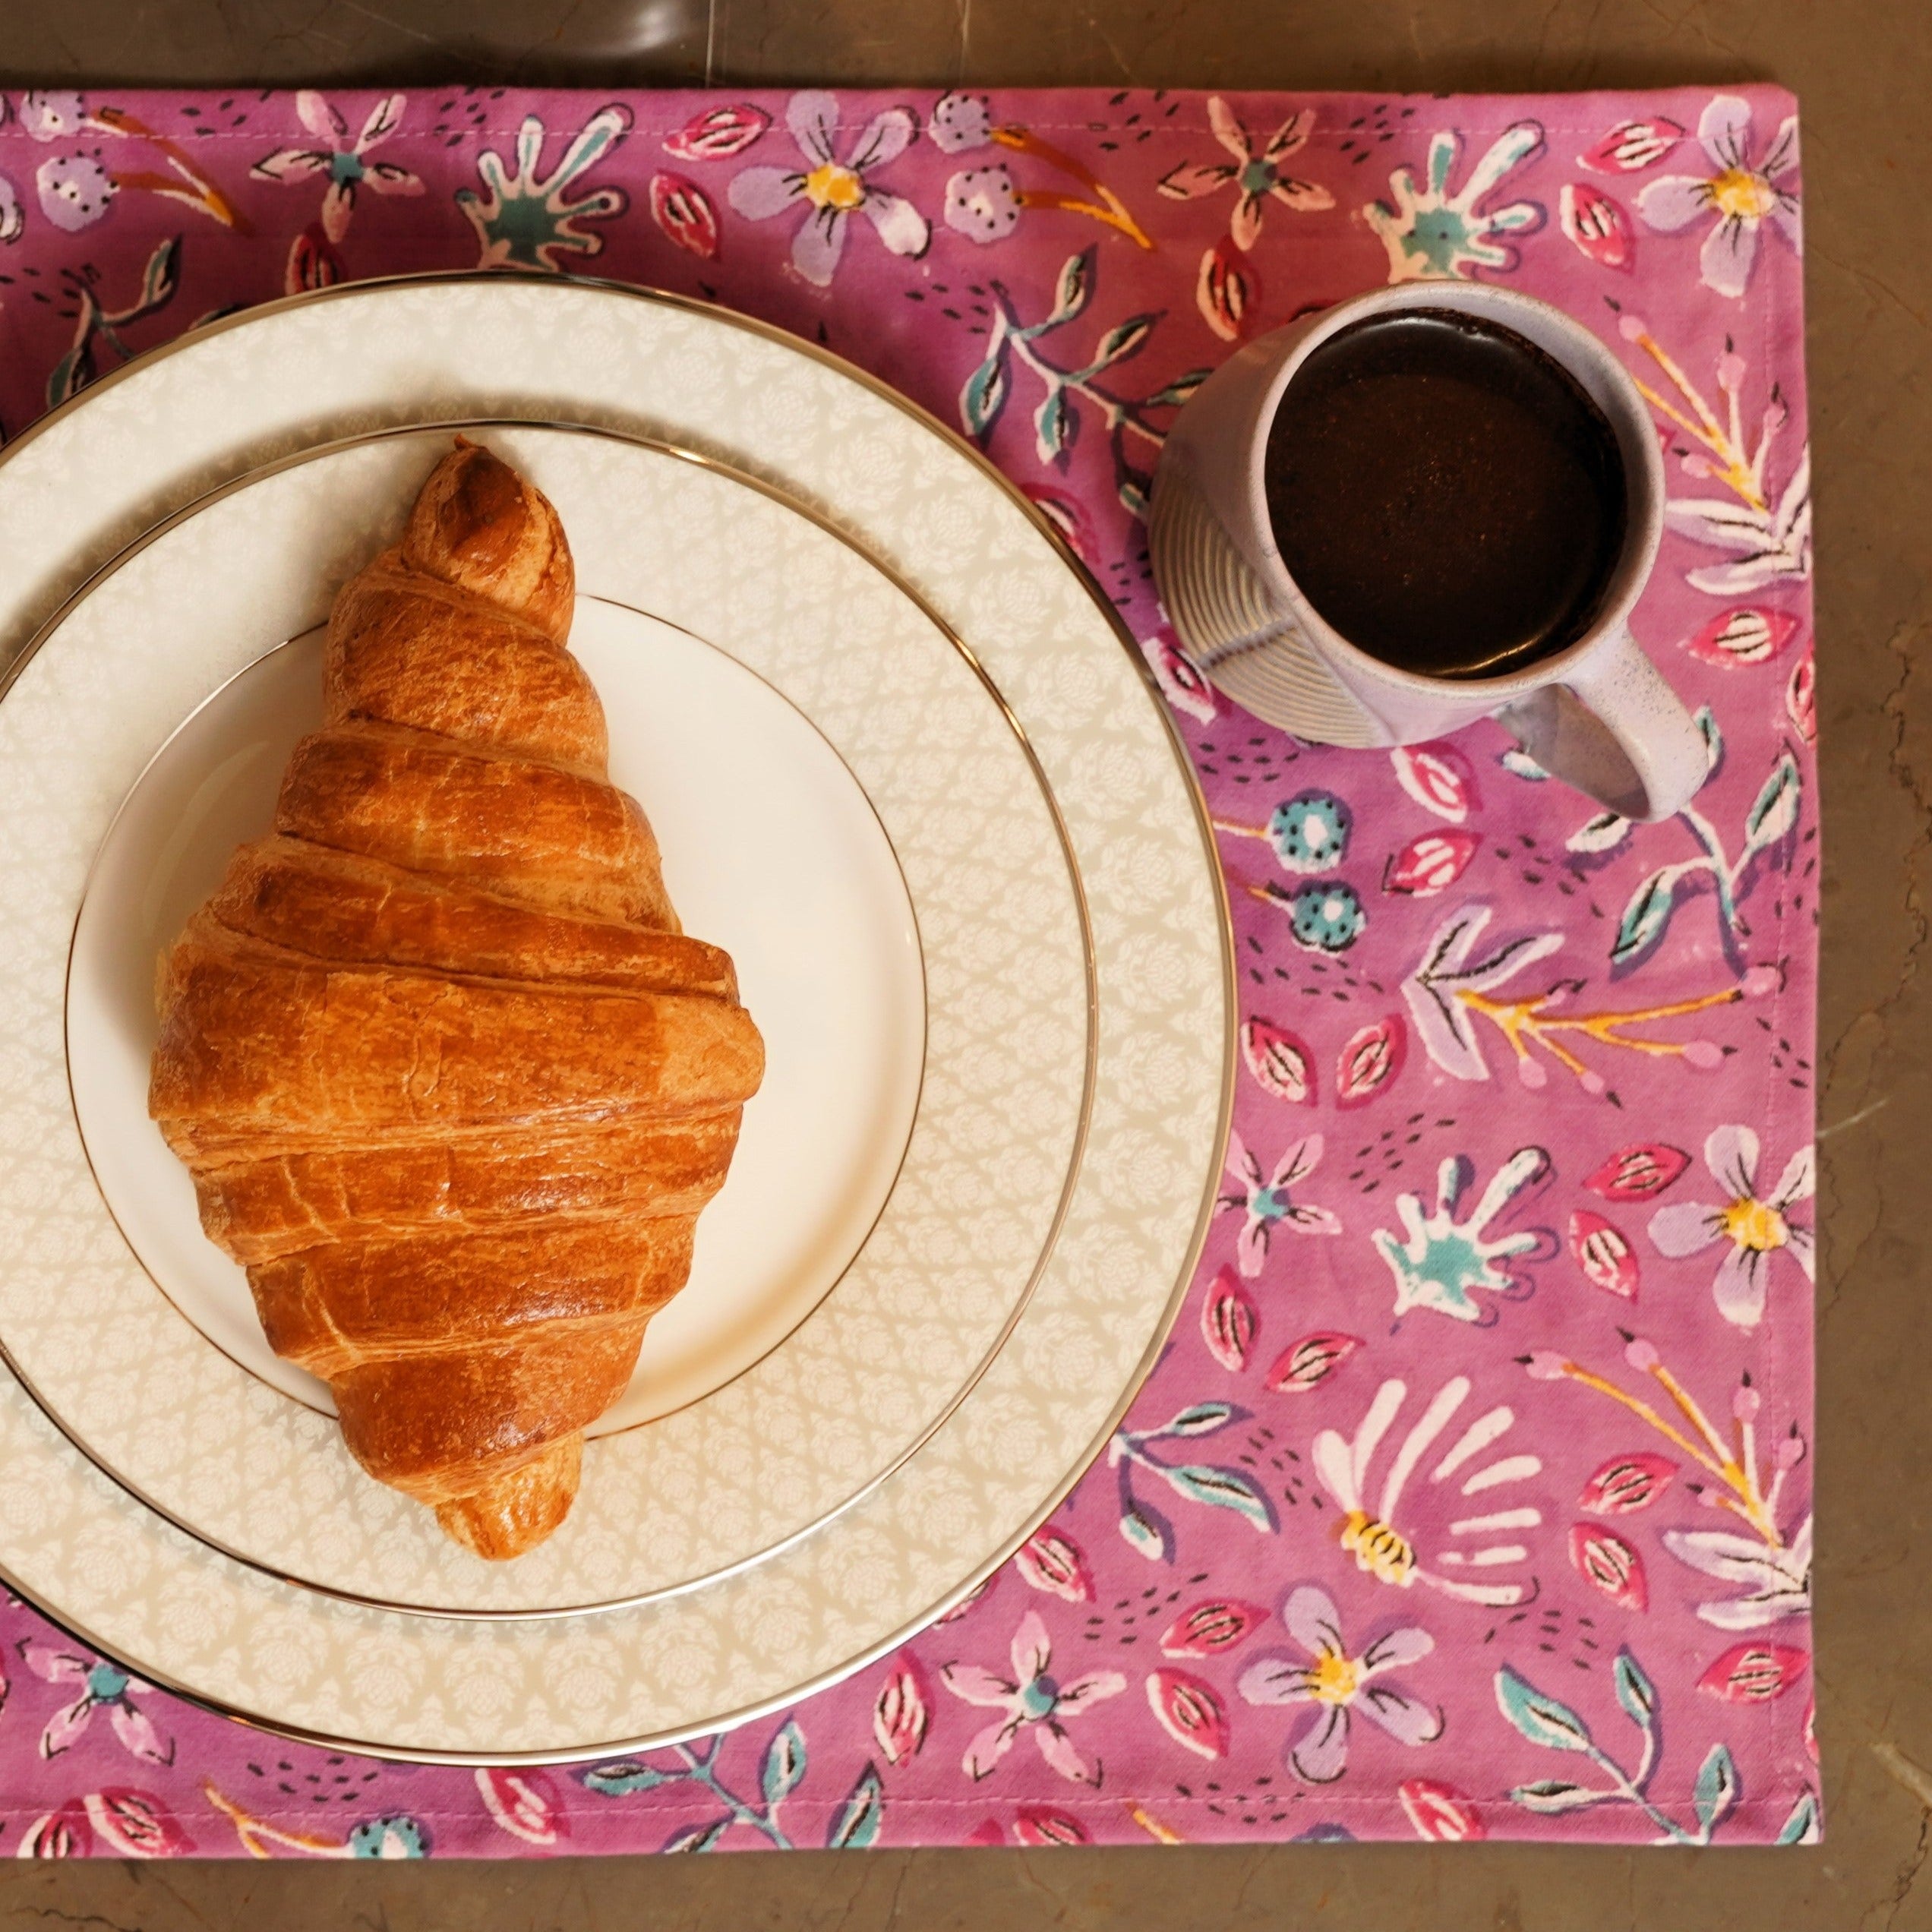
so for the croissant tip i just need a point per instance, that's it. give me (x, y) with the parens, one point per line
(511, 1514)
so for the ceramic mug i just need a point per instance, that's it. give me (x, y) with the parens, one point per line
(1597, 714)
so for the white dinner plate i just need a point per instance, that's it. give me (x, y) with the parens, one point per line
(971, 1419)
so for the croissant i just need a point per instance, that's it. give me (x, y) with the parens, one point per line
(452, 1084)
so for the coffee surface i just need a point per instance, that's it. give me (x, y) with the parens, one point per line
(1445, 494)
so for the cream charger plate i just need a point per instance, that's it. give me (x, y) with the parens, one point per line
(1110, 1155)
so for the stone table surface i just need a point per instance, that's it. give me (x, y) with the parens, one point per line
(1863, 69)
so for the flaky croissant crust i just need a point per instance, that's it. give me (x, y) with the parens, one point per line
(452, 1085)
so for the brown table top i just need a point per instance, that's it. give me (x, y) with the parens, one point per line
(1863, 71)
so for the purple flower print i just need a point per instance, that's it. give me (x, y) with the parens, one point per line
(1741, 193)
(75, 190)
(1755, 1228)
(52, 115)
(1337, 1682)
(1264, 1204)
(959, 121)
(12, 219)
(834, 190)
(103, 1687)
(983, 205)
(344, 163)
(1031, 1700)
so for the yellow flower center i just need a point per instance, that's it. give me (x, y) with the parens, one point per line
(1742, 195)
(1333, 1679)
(830, 186)
(1378, 1549)
(1755, 1225)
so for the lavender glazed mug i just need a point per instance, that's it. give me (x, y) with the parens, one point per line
(1597, 714)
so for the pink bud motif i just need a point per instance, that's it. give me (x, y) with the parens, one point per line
(1635, 1173)
(1227, 290)
(684, 211)
(1305, 1365)
(1438, 777)
(718, 133)
(62, 1834)
(1602, 1557)
(131, 1824)
(1038, 1825)
(1604, 1253)
(1229, 1319)
(522, 1803)
(1281, 1064)
(1441, 1812)
(1051, 1560)
(1369, 1061)
(1801, 698)
(1755, 1673)
(1598, 225)
(1739, 638)
(1626, 1483)
(901, 1712)
(1632, 146)
(1208, 1629)
(1431, 863)
(1189, 1712)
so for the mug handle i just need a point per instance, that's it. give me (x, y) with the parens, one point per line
(1616, 731)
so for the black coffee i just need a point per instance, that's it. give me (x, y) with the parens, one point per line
(1445, 495)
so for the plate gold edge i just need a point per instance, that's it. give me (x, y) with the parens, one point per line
(1158, 1341)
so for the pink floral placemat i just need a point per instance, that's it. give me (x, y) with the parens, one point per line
(1472, 1496)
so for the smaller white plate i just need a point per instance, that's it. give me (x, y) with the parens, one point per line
(825, 944)
(841, 801)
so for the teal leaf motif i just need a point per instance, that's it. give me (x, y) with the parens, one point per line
(158, 278)
(1706, 721)
(697, 1838)
(1123, 340)
(1202, 1418)
(1716, 1788)
(625, 1775)
(984, 396)
(1070, 297)
(1135, 490)
(858, 1822)
(1142, 1535)
(1223, 1488)
(1173, 394)
(1542, 1720)
(1645, 917)
(1055, 424)
(784, 1763)
(1550, 1795)
(1604, 833)
(1635, 1691)
(1775, 813)
(1802, 1827)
